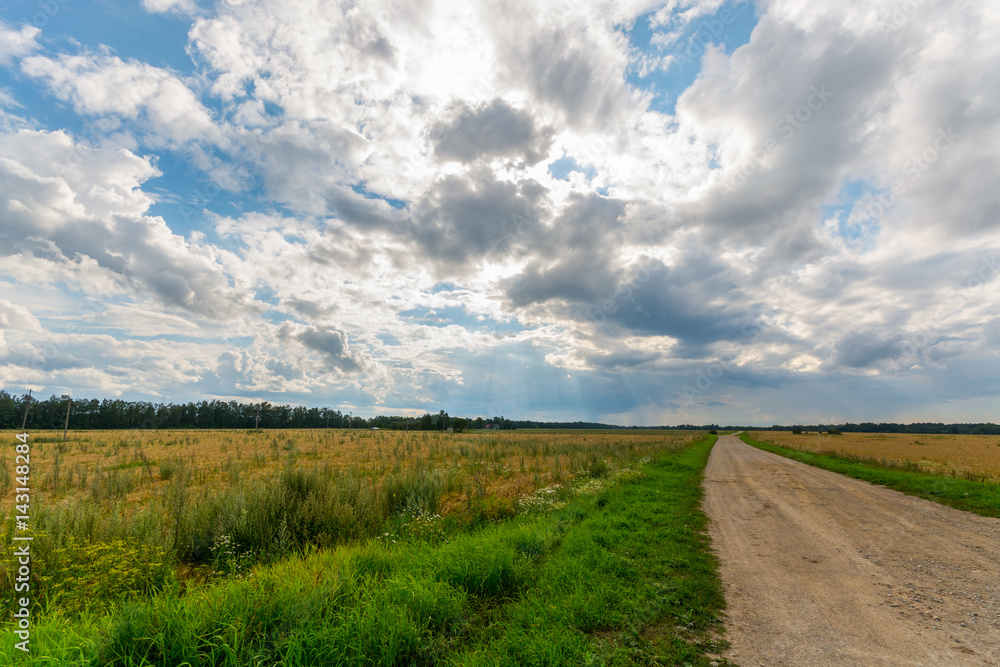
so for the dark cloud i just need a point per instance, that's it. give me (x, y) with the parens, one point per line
(286, 370)
(574, 261)
(489, 131)
(49, 357)
(330, 343)
(300, 160)
(695, 301)
(622, 360)
(467, 216)
(356, 209)
(867, 349)
(309, 308)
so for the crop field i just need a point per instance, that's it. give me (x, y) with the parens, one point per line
(100, 468)
(974, 457)
(131, 517)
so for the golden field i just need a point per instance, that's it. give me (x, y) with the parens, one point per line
(215, 502)
(105, 467)
(976, 456)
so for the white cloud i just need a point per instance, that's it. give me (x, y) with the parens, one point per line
(103, 84)
(16, 43)
(63, 201)
(13, 316)
(185, 7)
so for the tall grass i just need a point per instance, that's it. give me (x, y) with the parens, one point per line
(223, 514)
(620, 575)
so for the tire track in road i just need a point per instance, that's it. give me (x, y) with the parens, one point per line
(822, 569)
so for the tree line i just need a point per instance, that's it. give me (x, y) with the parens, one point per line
(93, 413)
(930, 428)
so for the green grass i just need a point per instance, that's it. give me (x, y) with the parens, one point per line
(631, 581)
(971, 495)
(620, 577)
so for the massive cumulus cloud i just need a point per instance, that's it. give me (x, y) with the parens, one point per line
(394, 206)
(65, 202)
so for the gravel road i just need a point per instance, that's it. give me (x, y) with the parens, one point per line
(821, 569)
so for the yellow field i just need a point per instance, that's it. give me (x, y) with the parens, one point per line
(137, 466)
(940, 454)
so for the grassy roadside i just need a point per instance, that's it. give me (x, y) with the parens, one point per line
(632, 582)
(622, 576)
(973, 496)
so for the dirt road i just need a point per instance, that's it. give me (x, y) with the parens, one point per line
(821, 569)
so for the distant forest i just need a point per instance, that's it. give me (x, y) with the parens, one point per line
(93, 413)
(870, 427)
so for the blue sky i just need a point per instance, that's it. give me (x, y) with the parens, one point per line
(635, 212)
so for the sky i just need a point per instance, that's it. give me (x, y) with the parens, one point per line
(634, 212)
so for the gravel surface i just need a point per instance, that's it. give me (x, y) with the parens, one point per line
(822, 569)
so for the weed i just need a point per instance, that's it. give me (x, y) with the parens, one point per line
(5, 477)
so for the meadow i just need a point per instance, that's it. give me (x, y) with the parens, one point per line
(141, 535)
(975, 457)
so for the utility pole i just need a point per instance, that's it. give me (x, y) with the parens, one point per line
(27, 404)
(350, 418)
(328, 419)
(69, 404)
(256, 419)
